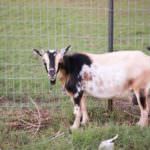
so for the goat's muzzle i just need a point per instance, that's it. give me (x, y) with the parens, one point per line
(52, 76)
(52, 80)
(51, 72)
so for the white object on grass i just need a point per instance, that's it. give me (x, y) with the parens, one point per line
(108, 144)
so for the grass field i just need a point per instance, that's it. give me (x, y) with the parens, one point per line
(27, 24)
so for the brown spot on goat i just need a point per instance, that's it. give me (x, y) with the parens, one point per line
(87, 76)
(141, 80)
(129, 83)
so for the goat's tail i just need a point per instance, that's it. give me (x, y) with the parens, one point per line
(148, 48)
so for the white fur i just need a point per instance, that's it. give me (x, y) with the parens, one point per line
(46, 59)
(85, 117)
(76, 95)
(52, 50)
(110, 74)
(105, 79)
(77, 113)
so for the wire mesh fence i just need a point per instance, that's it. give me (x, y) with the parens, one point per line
(132, 24)
(50, 24)
(28, 103)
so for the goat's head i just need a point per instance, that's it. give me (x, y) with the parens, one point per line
(51, 60)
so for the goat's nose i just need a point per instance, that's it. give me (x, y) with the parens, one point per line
(52, 72)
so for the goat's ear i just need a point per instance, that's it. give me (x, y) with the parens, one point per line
(65, 50)
(38, 52)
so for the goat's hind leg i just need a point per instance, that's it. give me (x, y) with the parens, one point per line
(142, 99)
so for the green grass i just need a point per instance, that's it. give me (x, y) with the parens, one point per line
(27, 24)
(103, 125)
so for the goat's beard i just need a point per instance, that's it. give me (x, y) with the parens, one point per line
(53, 82)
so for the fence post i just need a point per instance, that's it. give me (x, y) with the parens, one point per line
(110, 37)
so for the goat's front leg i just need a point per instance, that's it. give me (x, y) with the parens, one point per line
(77, 113)
(77, 110)
(85, 117)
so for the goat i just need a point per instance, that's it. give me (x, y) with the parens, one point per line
(105, 75)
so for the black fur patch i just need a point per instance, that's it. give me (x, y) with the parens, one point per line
(53, 82)
(52, 59)
(70, 85)
(148, 48)
(45, 67)
(143, 98)
(134, 100)
(78, 99)
(72, 65)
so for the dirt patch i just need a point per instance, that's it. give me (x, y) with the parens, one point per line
(36, 118)
(27, 119)
(33, 115)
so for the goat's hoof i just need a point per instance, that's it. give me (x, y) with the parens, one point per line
(84, 122)
(74, 127)
(142, 124)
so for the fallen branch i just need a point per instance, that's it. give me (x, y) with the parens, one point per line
(58, 134)
(38, 118)
(135, 116)
(28, 123)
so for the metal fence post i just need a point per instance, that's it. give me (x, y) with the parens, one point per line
(110, 37)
